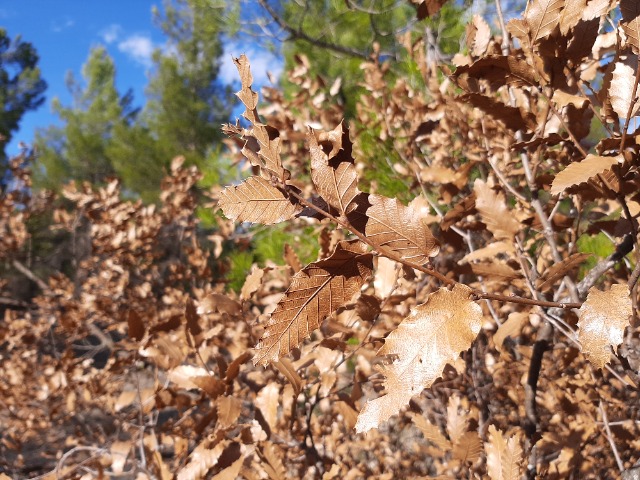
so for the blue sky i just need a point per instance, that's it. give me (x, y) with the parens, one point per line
(64, 31)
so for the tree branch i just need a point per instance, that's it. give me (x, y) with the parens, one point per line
(298, 34)
(478, 294)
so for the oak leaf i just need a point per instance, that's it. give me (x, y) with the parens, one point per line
(334, 175)
(504, 455)
(543, 16)
(468, 448)
(494, 212)
(630, 23)
(571, 15)
(401, 229)
(432, 433)
(601, 322)
(257, 201)
(315, 292)
(579, 172)
(623, 99)
(498, 71)
(266, 154)
(478, 35)
(559, 270)
(433, 335)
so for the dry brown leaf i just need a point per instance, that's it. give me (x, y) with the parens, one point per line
(511, 328)
(543, 17)
(571, 15)
(275, 468)
(432, 433)
(464, 207)
(498, 71)
(268, 155)
(267, 402)
(457, 418)
(563, 99)
(428, 8)
(433, 335)
(119, 452)
(232, 472)
(184, 375)
(495, 269)
(252, 283)
(602, 320)
(478, 35)
(286, 368)
(559, 270)
(489, 252)
(631, 23)
(385, 277)
(519, 29)
(579, 172)
(257, 201)
(512, 117)
(201, 460)
(598, 8)
(217, 302)
(334, 174)
(468, 448)
(494, 212)
(391, 225)
(315, 292)
(621, 93)
(228, 410)
(291, 258)
(136, 326)
(504, 456)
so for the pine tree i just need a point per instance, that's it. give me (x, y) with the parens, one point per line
(186, 102)
(21, 87)
(83, 148)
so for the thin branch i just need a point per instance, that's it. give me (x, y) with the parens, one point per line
(298, 34)
(478, 294)
(30, 275)
(605, 422)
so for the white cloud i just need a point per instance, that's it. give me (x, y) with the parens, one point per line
(111, 33)
(138, 47)
(60, 24)
(262, 61)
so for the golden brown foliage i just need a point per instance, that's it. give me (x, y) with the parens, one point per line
(498, 306)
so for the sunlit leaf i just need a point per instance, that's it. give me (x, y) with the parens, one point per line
(602, 320)
(315, 292)
(257, 201)
(579, 172)
(621, 92)
(504, 455)
(543, 16)
(433, 335)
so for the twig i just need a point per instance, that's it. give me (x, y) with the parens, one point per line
(539, 347)
(478, 294)
(592, 276)
(605, 422)
(31, 276)
(298, 34)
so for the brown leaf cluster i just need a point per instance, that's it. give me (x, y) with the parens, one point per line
(435, 323)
